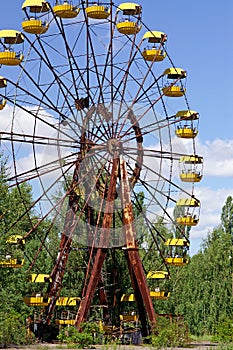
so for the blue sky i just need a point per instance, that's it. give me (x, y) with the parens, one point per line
(200, 40)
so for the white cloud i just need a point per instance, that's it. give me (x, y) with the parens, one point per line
(218, 171)
(218, 157)
(212, 202)
(32, 138)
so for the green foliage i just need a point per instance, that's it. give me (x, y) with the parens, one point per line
(169, 334)
(202, 290)
(13, 330)
(16, 217)
(227, 215)
(89, 335)
(224, 330)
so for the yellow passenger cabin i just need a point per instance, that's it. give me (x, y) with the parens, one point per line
(128, 18)
(172, 82)
(10, 39)
(176, 261)
(191, 168)
(127, 297)
(36, 6)
(14, 252)
(158, 275)
(11, 263)
(16, 239)
(67, 322)
(128, 316)
(158, 294)
(41, 299)
(36, 21)
(65, 318)
(177, 251)
(36, 299)
(160, 291)
(40, 278)
(154, 51)
(65, 9)
(67, 301)
(97, 10)
(187, 127)
(35, 26)
(189, 212)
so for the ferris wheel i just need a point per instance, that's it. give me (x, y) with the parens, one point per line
(94, 112)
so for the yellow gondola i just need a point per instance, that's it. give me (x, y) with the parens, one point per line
(40, 278)
(35, 26)
(191, 168)
(65, 9)
(65, 322)
(174, 88)
(16, 239)
(35, 9)
(66, 318)
(128, 297)
(188, 125)
(36, 6)
(160, 293)
(130, 316)
(176, 261)
(8, 56)
(38, 299)
(153, 53)
(178, 251)
(9, 261)
(129, 18)
(12, 263)
(158, 275)
(98, 11)
(67, 301)
(190, 211)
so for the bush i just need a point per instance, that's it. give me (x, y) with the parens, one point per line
(168, 335)
(13, 329)
(88, 335)
(224, 331)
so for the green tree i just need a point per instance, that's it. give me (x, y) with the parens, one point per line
(16, 218)
(203, 292)
(227, 215)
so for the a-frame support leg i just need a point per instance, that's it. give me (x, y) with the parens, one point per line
(142, 293)
(141, 290)
(101, 252)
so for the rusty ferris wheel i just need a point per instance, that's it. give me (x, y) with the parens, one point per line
(96, 103)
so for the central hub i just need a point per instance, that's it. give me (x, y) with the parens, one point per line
(114, 145)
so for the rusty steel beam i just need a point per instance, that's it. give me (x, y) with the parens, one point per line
(69, 226)
(57, 274)
(103, 244)
(138, 277)
(139, 300)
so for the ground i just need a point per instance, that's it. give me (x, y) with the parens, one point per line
(204, 345)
